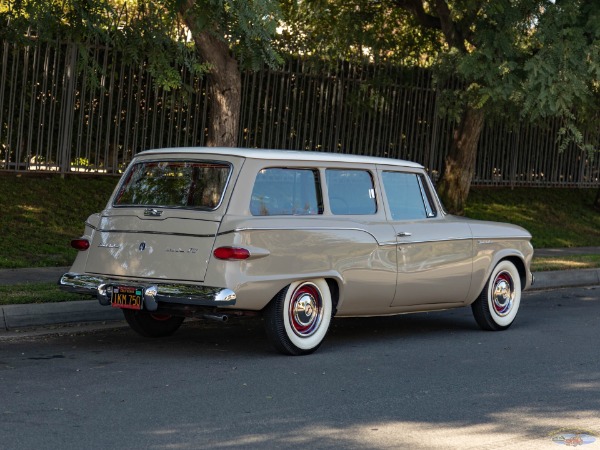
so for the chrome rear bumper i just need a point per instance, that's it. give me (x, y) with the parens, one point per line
(185, 294)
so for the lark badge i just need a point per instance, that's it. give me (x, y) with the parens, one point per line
(109, 246)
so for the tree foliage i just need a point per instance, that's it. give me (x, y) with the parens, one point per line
(524, 60)
(354, 30)
(563, 70)
(148, 31)
(521, 59)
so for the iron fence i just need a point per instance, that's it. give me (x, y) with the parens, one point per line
(54, 116)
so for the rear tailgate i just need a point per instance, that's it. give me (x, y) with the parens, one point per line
(174, 248)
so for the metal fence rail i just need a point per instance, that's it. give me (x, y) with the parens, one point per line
(54, 117)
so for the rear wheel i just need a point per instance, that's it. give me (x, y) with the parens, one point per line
(152, 325)
(498, 303)
(298, 318)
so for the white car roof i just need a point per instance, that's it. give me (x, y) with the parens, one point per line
(295, 155)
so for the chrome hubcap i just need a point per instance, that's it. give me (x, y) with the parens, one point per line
(306, 310)
(503, 294)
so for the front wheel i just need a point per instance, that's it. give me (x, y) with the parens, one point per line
(298, 318)
(152, 325)
(498, 303)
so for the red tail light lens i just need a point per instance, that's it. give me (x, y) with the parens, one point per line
(80, 244)
(231, 253)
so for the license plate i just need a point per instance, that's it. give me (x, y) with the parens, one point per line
(127, 297)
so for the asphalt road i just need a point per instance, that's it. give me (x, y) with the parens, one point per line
(418, 381)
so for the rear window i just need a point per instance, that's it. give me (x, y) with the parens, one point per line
(283, 191)
(178, 184)
(351, 192)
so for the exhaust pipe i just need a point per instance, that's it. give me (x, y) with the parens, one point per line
(216, 317)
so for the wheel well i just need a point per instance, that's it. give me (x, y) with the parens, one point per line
(334, 288)
(520, 265)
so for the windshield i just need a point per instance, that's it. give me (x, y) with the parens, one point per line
(178, 184)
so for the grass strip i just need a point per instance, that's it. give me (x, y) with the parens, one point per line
(541, 264)
(555, 217)
(41, 213)
(18, 294)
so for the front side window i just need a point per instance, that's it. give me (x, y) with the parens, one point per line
(407, 196)
(286, 191)
(351, 191)
(178, 184)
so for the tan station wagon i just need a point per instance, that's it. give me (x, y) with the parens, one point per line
(298, 237)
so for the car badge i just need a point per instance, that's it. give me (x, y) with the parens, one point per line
(109, 246)
(142, 247)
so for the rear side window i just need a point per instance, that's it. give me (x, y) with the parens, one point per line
(179, 184)
(351, 191)
(408, 196)
(286, 191)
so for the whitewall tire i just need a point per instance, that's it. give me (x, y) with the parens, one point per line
(499, 301)
(298, 318)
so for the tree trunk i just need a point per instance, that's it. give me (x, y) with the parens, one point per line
(224, 82)
(459, 165)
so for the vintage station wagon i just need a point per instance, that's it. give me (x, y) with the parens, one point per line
(298, 237)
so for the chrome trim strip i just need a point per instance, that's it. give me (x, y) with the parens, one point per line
(489, 240)
(347, 229)
(427, 241)
(294, 229)
(237, 230)
(156, 232)
(101, 287)
(458, 239)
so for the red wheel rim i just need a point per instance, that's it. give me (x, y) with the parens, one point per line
(306, 310)
(503, 293)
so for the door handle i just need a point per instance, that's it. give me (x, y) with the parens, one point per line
(404, 234)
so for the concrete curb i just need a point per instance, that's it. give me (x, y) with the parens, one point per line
(42, 314)
(38, 315)
(566, 278)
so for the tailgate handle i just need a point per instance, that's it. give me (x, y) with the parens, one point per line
(152, 212)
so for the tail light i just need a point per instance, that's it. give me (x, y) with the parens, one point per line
(80, 244)
(231, 253)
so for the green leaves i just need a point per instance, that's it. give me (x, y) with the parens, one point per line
(526, 60)
(148, 31)
(353, 30)
(246, 26)
(562, 70)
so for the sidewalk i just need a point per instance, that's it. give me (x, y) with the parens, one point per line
(34, 315)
